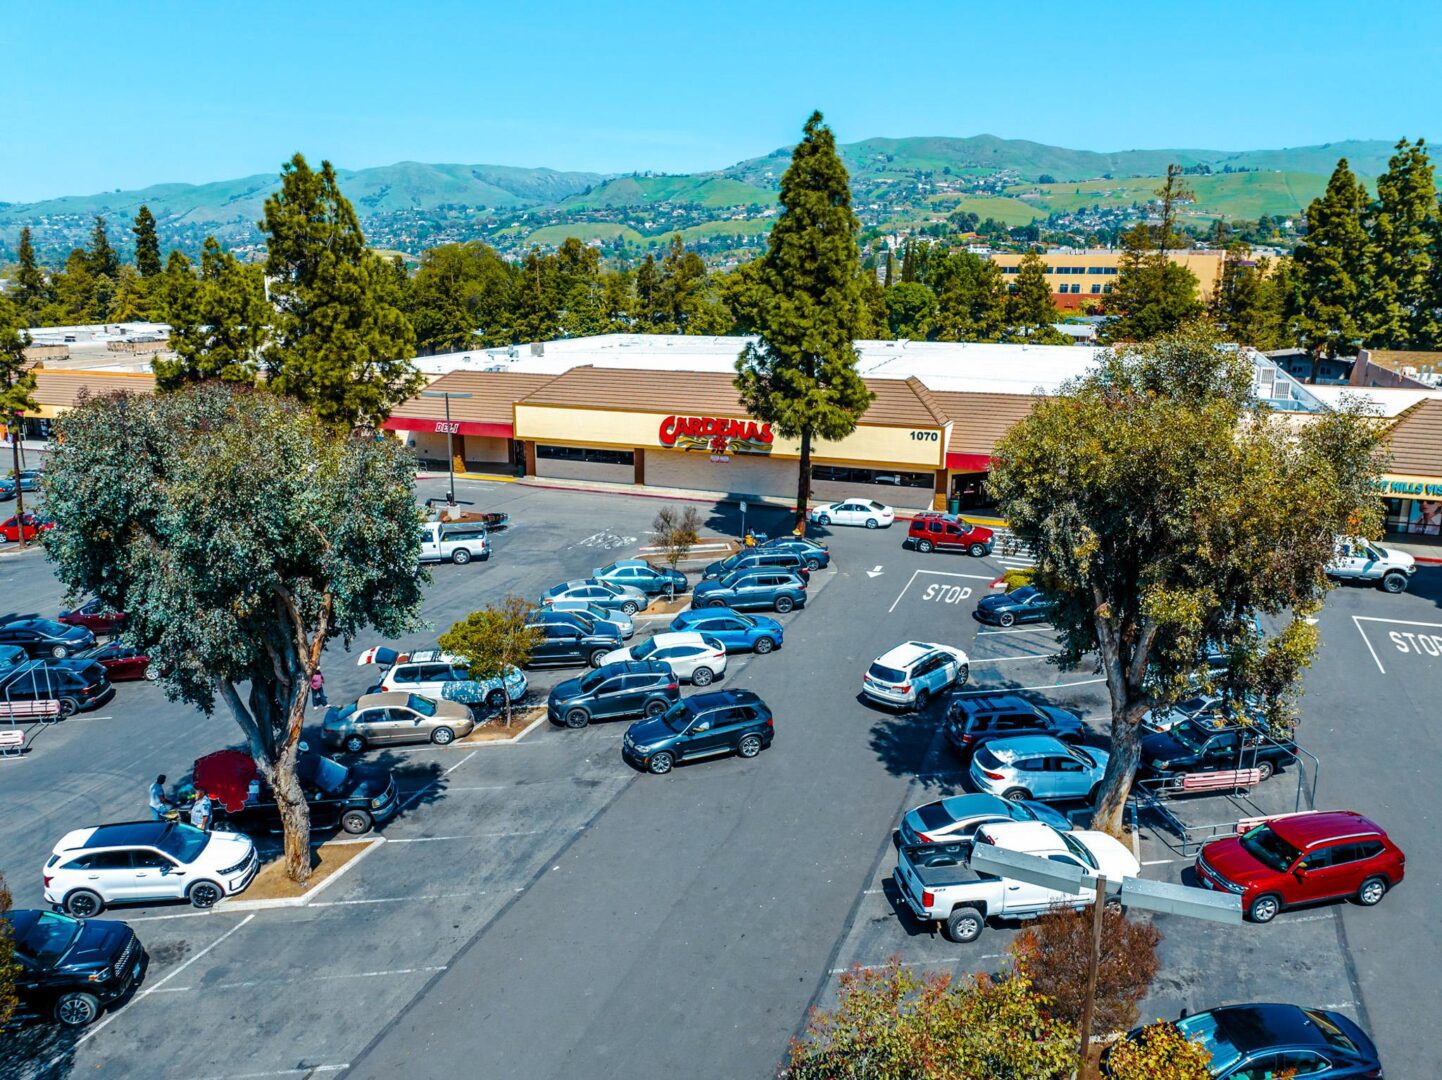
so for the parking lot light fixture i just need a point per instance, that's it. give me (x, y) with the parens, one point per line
(450, 439)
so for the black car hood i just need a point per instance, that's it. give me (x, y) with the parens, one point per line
(650, 731)
(996, 602)
(98, 945)
(565, 690)
(1162, 747)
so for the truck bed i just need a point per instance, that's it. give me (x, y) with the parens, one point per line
(940, 866)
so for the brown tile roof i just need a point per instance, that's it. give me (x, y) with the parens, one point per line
(62, 388)
(905, 403)
(980, 420)
(1416, 440)
(492, 395)
(1397, 359)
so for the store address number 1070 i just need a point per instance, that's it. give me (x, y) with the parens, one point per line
(926, 436)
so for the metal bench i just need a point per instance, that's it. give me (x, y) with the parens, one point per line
(1224, 780)
(12, 743)
(30, 710)
(1247, 824)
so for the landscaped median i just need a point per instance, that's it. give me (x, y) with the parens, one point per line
(331, 859)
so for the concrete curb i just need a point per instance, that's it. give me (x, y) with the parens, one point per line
(301, 901)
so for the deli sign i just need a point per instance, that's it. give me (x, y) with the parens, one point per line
(718, 434)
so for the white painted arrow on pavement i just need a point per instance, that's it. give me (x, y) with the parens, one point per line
(874, 573)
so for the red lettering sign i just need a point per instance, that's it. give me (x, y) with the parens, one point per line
(718, 434)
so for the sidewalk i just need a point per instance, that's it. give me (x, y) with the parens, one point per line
(1424, 553)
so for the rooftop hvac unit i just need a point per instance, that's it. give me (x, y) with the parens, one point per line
(538, 348)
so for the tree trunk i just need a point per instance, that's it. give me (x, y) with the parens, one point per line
(506, 694)
(294, 811)
(1117, 781)
(803, 483)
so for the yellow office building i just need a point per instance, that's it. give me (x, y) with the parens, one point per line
(1077, 277)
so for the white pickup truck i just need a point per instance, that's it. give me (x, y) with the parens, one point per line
(939, 885)
(1357, 559)
(458, 542)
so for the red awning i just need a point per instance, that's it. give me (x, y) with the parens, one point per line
(455, 427)
(968, 462)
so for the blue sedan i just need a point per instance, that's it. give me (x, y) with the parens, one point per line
(735, 632)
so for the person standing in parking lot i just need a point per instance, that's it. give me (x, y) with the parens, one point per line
(317, 690)
(159, 804)
(200, 811)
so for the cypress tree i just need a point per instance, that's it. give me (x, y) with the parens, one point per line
(648, 295)
(1403, 225)
(104, 262)
(31, 289)
(340, 345)
(218, 323)
(800, 376)
(1030, 309)
(147, 244)
(1332, 268)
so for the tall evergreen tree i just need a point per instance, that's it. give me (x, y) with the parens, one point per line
(1403, 225)
(174, 289)
(147, 244)
(534, 317)
(339, 344)
(80, 295)
(970, 298)
(648, 295)
(461, 297)
(1332, 268)
(32, 291)
(218, 326)
(910, 310)
(800, 375)
(129, 302)
(104, 262)
(1031, 310)
(1153, 295)
(688, 303)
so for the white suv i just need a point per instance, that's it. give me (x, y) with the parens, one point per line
(911, 674)
(434, 674)
(692, 656)
(146, 860)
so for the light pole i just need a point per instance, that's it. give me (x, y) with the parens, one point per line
(450, 439)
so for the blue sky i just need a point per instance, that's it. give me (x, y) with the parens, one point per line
(119, 95)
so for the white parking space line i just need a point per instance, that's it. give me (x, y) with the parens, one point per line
(1044, 686)
(1158, 862)
(915, 963)
(1025, 630)
(1356, 621)
(466, 836)
(421, 791)
(306, 1070)
(395, 899)
(313, 978)
(1008, 659)
(937, 573)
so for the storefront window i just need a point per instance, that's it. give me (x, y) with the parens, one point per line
(846, 475)
(970, 491)
(586, 453)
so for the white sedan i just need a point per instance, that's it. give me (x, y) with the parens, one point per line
(873, 515)
(691, 656)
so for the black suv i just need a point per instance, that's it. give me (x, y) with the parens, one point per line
(70, 969)
(625, 688)
(700, 726)
(1213, 743)
(354, 798)
(46, 637)
(972, 721)
(78, 687)
(758, 559)
(577, 639)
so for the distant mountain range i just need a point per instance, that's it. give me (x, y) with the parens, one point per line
(410, 205)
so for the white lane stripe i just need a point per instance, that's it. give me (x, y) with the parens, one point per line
(1358, 625)
(313, 978)
(1024, 630)
(913, 963)
(1044, 686)
(1158, 862)
(395, 899)
(465, 836)
(1008, 659)
(421, 791)
(307, 1070)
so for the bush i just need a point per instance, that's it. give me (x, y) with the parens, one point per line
(1015, 579)
(1054, 953)
(1159, 1050)
(677, 531)
(891, 1024)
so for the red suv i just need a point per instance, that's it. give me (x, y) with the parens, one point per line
(1303, 858)
(931, 531)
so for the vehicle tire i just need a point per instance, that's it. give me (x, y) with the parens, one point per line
(784, 604)
(702, 676)
(1372, 891)
(749, 746)
(68, 707)
(60, 652)
(204, 894)
(443, 736)
(963, 673)
(1113, 904)
(923, 699)
(354, 744)
(1265, 769)
(1016, 794)
(655, 709)
(1264, 908)
(824, 519)
(718, 602)
(460, 556)
(4, 539)
(872, 523)
(152, 674)
(577, 719)
(1007, 619)
(964, 925)
(76, 1009)
(496, 699)
(629, 607)
(976, 550)
(660, 764)
(813, 565)
(1093, 794)
(598, 656)
(763, 645)
(1394, 583)
(356, 822)
(84, 904)
(224, 825)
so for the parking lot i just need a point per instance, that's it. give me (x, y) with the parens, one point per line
(540, 909)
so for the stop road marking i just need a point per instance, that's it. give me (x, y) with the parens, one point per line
(1421, 642)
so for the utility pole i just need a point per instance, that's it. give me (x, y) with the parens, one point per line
(1093, 963)
(450, 440)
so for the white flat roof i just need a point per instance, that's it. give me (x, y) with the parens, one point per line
(1391, 400)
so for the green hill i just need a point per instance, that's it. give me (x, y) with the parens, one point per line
(1230, 195)
(703, 189)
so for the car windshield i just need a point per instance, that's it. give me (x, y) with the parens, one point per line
(1022, 595)
(1077, 848)
(424, 706)
(886, 674)
(612, 588)
(677, 717)
(1191, 735)
(48, 938)
(1331, 1032)
(593, 679)
(1268, 848)
(1203, 1028)
(183, 842)
(643, 650)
